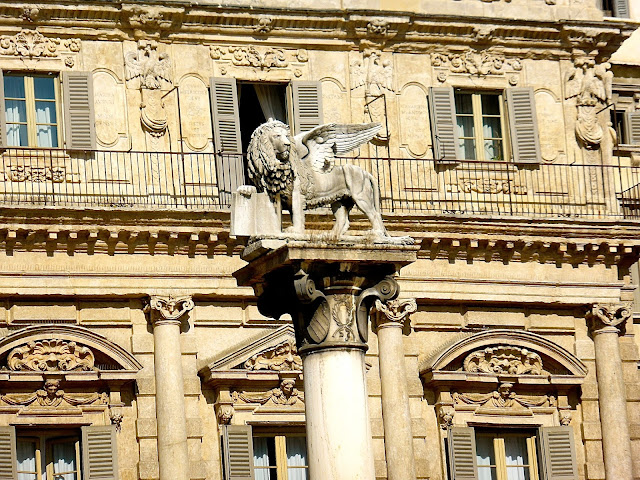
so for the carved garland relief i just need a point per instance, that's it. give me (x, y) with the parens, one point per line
(260, 60)
(282, 357)
(285, 394)
(503, 397)
(52, 396)
(51, 355)
(477, 63)
(504, 360)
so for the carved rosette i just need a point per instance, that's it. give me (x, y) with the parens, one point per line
(394, 312)
(504, 360)
(609, 317)
(168, 309)
(51, 355)
(282, 357)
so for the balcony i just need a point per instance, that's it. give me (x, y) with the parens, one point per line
(196, 181)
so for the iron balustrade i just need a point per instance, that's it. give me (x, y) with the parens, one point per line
(164, 180)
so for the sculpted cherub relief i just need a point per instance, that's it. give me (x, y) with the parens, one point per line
(298, 173)
(51, 395)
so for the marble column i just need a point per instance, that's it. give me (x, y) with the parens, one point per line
(606, 323)
(166, 315)
(329, 291)
(396, 416)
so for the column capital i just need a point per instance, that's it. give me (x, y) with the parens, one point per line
(394, 313)
(608, 317)
(165, 309)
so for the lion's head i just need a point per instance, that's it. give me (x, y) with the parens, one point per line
(270, 155)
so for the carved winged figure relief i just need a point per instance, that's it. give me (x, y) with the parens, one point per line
(148, 65)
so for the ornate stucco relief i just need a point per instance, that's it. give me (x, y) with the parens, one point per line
(258, 59)
(486, 186)
(503, 397)
(32, 44)
(282, 357)
(52, 396)
(51, 355)
(285, 394)
(476, 63)
(504, 359)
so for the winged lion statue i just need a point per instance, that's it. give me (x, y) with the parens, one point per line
(298, 173)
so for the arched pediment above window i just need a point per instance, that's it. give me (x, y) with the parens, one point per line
(495, 354)
(65, 350)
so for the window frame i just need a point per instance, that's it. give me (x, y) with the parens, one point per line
(30, 107)
(44, 451)
(282, 463)
(477, 115)
(499, 451)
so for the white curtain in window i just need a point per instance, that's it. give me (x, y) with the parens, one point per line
(516, 451)
(485, 456)
(260, 458)
(297, 457)
(46, 113)
(26, 453)
(15, 111)
(64, 461)
(270, 102)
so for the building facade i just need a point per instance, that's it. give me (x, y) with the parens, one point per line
(508, 149)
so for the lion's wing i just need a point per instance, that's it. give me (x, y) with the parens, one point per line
(326, 141)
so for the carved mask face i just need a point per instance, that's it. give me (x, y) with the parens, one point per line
(281, 142)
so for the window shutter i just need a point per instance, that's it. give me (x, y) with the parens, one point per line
(99, 453)
(307, 105)
(523, 125)
(8, 460)
(444, 131)
(3, 117)
(558, 453)
(238, 452)
(633, 123)
(226, 134)
(79, 121)
(621, 8)
(462, 453)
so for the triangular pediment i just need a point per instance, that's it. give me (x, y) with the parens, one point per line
(275, 351)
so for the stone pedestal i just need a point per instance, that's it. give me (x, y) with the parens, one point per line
(396, 416)
(166, 314)
(606, 322)
(328, 290)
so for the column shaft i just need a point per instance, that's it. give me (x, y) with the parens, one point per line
(616, 443)
(338, 428)
(173, 453)
(396, 416)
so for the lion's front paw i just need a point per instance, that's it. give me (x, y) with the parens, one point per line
(246, 190)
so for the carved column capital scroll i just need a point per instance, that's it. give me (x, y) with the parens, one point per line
(608, 317)
(168, 309)
(394, 313)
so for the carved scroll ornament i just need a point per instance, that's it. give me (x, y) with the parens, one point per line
(282, 357)
(504, 360)
(609, 315)
(170, 307)
(51, 355)
(32, 44)
(395, 311)
(50, 395)
(504, 397)
(285, 394)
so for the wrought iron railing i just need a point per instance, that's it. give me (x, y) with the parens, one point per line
(202, 181)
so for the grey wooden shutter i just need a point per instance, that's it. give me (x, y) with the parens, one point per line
(307, 106)
(238, 452)
(8, 461)
(621, 8)
(523, 125)
(3, 117)
(79, 117)
(633, 128)
(462, 453)
(444, 131)
(226, 134)
(99, 453)
(558, 453)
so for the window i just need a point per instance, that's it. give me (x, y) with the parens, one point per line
(279, 457)
(480, 122)
(258, 102)
(31, 110)
(506, 456)
(615, 8)
(54, 456)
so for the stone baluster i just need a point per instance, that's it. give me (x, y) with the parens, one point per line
(396, 416)
(166, 315)
(606, 323)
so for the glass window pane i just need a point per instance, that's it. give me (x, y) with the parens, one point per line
(484, 450)
(516, 450)
(491, 127)
(296, 451)
(16, 110)
(493, 150)
(264, 451)
(44, 88)
(47, 136)
(465, 126)
(45, 112)
(490, 104)
(468, 149)
(26, 456)
(64, 460)
(297, 473)
(13, 86)
(17, 136)
(463, 103)
(486, 473)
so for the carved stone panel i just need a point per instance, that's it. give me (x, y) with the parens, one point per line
(550, 122)
(504, 360)
(195, 113)
(110, 108)
(51, 355)
(279, 358)
(414, 119)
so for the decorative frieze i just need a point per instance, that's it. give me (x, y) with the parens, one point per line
(282, 357)
(27, 173)
(262, 58)
(52, 396)
(476, 63)
(486, 186)
(504, 360)
(503, 397)
(32, 44)
(285, 394)
(51, 355)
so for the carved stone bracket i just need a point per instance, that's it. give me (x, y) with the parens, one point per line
(169, 308)
(445, 416)
(51, 355)
(609, 317)
(394, 312)
(152, 21)
(225, 414)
